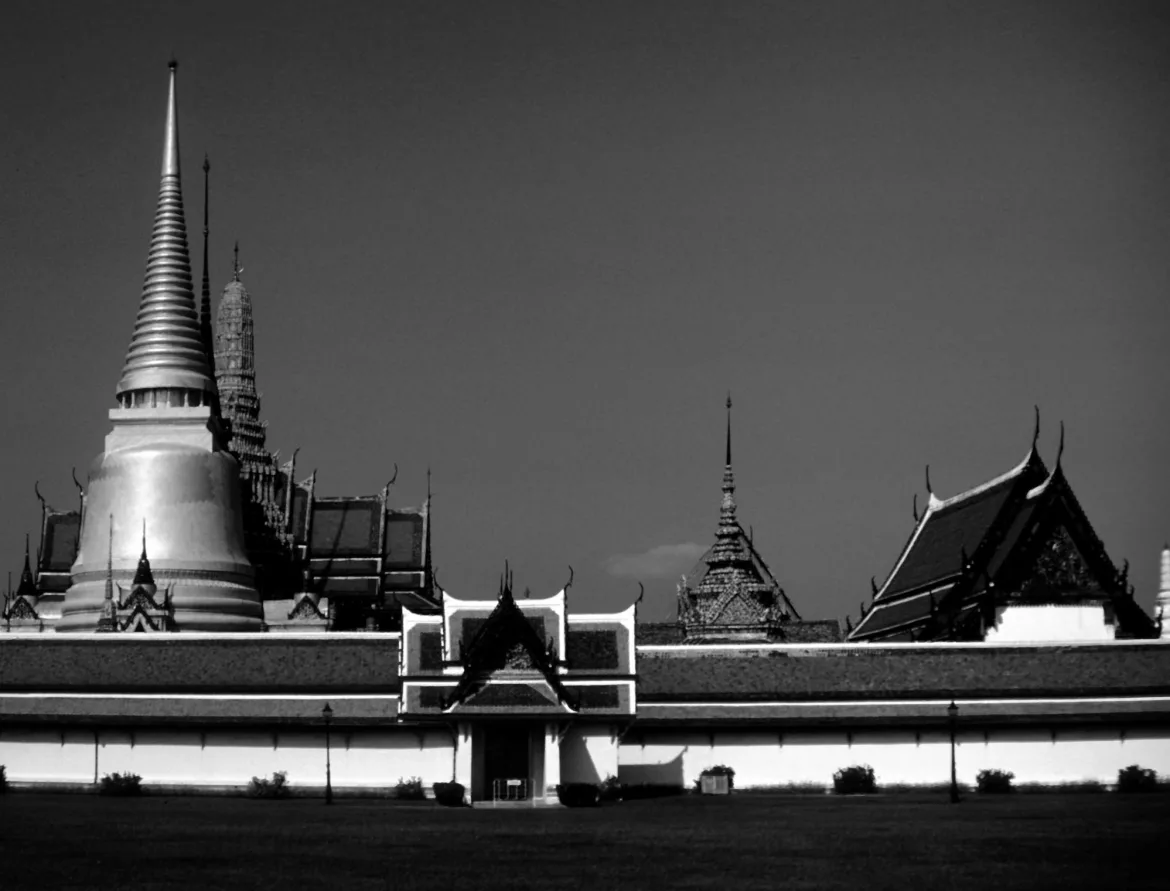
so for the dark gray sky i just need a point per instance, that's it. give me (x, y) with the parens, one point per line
(534, 244)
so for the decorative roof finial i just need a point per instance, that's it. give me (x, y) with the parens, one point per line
(143, 575)
(728, 460)
(728, 547)
(236, 264)
(27, 584)
(109, 598)
(1036, 429)
(205, 294)
(1059, 448)
(929, 489)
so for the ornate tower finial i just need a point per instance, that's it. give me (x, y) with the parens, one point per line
(727, 544)
(727, 462)
(236, 264)
(27, 586)
(166, 350)
(205, 293)
(108, 618)
(143, 575)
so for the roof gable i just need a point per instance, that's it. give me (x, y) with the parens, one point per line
(507, 646)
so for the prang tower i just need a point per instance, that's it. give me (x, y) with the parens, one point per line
(164, 463)
(265, 515)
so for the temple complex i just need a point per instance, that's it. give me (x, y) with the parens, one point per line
(203, 616)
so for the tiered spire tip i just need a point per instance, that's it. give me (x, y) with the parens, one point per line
(167, 349)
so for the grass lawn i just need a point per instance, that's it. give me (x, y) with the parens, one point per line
(903, 841)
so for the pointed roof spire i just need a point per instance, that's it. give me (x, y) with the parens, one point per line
(166, 350)
(143, 575)
(107, 621)
(205, 295)
(27, 586)
(428, 564)
(236, 264)
(727, 547)
(727, 461)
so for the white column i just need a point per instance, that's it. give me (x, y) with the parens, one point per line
(463, 758)
(552, 761)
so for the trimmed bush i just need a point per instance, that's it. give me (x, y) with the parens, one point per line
(994, 782)
(410, 790)
(636, 791)
(578, 794)
(277, 787)
(858, 779)
(718, 770)
(1137, 779)
(610, 790)
(122, 785)
(449, 794)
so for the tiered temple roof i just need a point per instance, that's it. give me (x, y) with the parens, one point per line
(732, 594)
(1021, 538)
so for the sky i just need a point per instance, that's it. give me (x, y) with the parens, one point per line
(533, 246)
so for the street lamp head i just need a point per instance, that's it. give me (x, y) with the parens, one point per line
(952, 711)
(327, 713)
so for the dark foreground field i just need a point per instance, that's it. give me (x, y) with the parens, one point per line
(746, 841)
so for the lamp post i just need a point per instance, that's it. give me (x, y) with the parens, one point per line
(327, 714)
(953, 720)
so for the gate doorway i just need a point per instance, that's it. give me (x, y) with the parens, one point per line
(507, 765)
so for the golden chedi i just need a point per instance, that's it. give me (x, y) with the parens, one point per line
(164, 462)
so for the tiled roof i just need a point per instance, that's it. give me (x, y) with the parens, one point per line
(872, 671)
(404, 539)
(178, 710)
(944, 535)
(345, 527)
(804, 631)
(658, 633)
(181, 663)
(60, 544)
(920, 712)
(964, 525)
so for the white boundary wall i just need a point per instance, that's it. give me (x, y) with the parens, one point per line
(360, 758)
(774, 758)
(376, 758)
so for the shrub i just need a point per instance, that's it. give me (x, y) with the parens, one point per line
(277, 787)
(449, 794)
(410, 790)
(578, 794)
(120, 784)
(636, 791)
(857, 779)
(3, 780)
(719, 770)
(1137, 779)
(994, 781)
(610, 790)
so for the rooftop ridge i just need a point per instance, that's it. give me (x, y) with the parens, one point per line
(937, 505)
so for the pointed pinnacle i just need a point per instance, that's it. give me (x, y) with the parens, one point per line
(170, 158)
(727, 461)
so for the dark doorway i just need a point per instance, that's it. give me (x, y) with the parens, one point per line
(507, 773)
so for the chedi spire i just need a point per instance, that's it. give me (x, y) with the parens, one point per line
(167, 350)
(728, 547)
